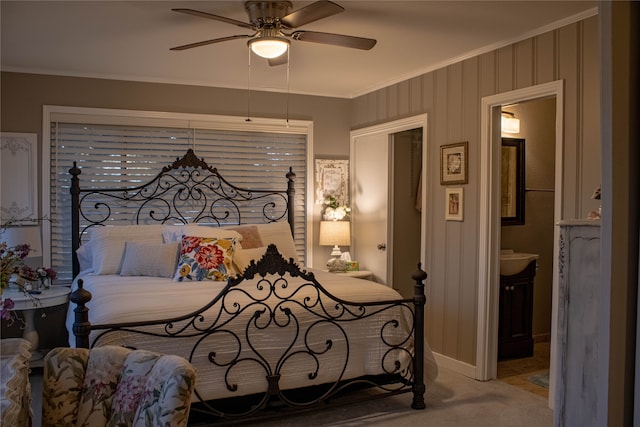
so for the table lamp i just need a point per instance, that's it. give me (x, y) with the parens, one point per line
(21, 235)
(335, 233)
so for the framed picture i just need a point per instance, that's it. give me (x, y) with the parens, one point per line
(332, 179)
(454, 204)
(18, 178)
(453, 163)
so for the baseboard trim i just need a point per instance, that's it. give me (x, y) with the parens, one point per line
(455, 365)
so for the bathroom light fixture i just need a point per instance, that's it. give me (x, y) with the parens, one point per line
(509, 123)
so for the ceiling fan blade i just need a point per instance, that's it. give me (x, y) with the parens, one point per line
(334, 39)
(214, 17)
(280, 60)
(313, 12)
(206, 42)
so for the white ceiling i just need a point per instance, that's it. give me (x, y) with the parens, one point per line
(130, 40)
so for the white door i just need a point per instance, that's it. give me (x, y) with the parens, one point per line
(371, 175)
(370, 201)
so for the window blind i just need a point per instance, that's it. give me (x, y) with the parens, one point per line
(112, 155)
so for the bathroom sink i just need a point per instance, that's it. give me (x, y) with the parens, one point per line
(514, 262)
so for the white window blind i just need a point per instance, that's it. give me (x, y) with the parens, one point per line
(112, 155)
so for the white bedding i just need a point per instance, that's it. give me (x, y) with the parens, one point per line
(118, 299)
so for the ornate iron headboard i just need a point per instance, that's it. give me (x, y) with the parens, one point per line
(186, 191)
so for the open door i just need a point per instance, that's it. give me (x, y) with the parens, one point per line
(372, 183)
(370, 207)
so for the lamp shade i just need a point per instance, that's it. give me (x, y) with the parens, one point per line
(24, 235)
(335, 233)
(269, 47)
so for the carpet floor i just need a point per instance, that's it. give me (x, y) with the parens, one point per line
(452, 400)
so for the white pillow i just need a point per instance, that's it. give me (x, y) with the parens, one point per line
(279, 233)
(108, 244)
(150, 259)
(132, 231)
(85, 256)
(174, 233)
(242, 257)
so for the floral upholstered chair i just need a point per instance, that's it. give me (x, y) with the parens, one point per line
(115, 386)
(15, 389)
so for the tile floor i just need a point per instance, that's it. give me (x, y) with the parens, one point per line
(516, 372)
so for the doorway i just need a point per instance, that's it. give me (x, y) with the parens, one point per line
(372, 180)
(489, 264)
(527, 225)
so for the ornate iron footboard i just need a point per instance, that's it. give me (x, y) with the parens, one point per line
(285, 298)
(272, 297)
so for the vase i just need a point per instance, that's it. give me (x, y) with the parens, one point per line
(32, 286)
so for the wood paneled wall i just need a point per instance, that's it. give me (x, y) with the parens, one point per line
(451, 96)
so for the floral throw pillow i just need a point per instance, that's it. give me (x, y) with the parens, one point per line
(205, 258)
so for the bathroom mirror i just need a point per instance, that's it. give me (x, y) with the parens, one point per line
(512, 181)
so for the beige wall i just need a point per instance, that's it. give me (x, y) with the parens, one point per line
(23, 95)
(451, 97)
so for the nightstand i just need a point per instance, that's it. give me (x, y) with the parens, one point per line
(361, 274)
(51, 297)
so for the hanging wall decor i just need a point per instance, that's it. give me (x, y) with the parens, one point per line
(453, 163)
(454, 204)
(19, 178)
(332, 180)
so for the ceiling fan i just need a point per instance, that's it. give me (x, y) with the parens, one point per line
(269, 20)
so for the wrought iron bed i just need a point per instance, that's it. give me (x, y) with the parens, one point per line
(320, 333)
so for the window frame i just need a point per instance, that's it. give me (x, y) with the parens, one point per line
(54, 113)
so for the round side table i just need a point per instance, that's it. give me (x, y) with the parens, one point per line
(28, 303)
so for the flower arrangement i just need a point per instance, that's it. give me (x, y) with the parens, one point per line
(7, 305)
(45, 274)
(12, 262)
(14, 270)
(335, 210)
(12, 267)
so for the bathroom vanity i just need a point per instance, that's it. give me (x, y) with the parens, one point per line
(515, 324)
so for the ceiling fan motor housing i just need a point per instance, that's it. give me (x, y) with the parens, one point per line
(266, 12)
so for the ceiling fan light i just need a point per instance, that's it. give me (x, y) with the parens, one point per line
(269, 47)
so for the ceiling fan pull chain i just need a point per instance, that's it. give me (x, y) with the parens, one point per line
(248, 119)
(288, 90)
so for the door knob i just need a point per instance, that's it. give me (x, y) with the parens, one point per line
(382, 246)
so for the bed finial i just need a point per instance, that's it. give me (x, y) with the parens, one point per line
(75, 170)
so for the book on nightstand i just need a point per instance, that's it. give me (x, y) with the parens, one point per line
(352, 266)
